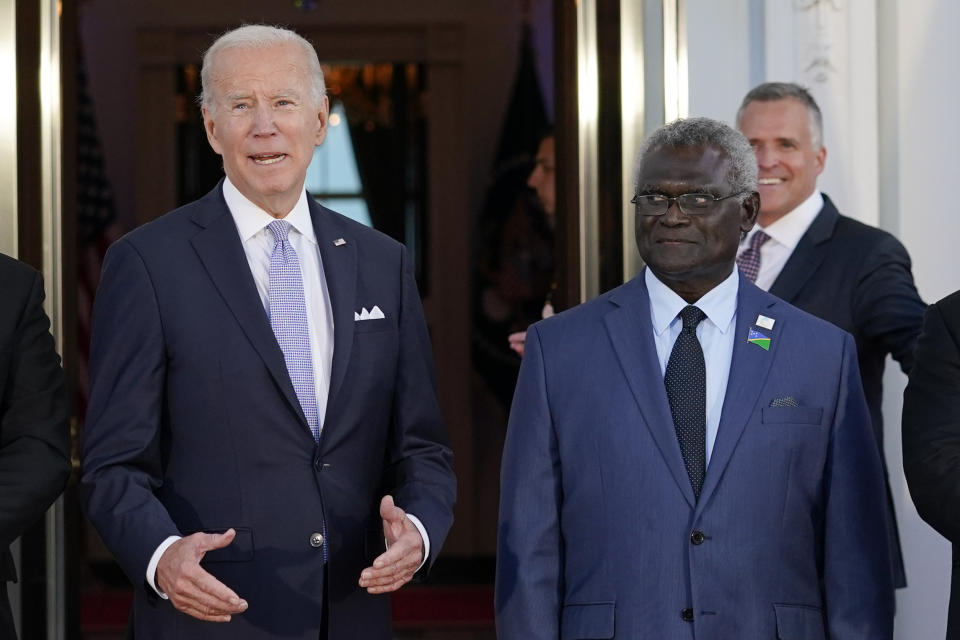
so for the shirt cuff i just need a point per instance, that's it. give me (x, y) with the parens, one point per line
(154, 561)
(426, 539)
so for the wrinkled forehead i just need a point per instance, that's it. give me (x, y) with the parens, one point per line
(670, 170)
(275, 67)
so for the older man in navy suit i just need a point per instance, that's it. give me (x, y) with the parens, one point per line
(687, 455)
(264, 452)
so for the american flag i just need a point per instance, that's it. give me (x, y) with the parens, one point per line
(96, 225)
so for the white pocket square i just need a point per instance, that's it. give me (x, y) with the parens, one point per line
(373, 314)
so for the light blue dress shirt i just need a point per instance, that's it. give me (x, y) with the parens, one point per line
(715, 332)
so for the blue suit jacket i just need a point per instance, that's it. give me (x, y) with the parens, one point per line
(600, 534)
(194, 425)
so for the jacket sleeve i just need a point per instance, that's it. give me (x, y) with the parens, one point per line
(931, 426)
(420, 462)
(529, 544)
(34, 432)
(857, 573)
(122, 462)
(886, 305)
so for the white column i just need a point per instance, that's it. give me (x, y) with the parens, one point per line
(919, 164)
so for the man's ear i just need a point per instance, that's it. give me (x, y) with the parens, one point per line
(749, 211)
(210, 127)
(821, 159)
(323, 117)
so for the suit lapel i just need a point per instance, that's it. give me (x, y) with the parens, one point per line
(340, 271)
(748, 370)
(220, 250)
(631, 334)
(807, 255)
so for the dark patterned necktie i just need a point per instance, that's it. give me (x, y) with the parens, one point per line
(749, 260)
(686, 384)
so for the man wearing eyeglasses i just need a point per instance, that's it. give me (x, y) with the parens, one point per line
(803, 251)
(687, 455)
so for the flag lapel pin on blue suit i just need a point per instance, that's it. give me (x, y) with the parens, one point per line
(759, 339)
(339, 242)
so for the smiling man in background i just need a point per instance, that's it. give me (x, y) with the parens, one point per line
(803, 251)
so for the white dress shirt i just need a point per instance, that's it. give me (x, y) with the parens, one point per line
(784, 234)
(715, 333)
(258, 242)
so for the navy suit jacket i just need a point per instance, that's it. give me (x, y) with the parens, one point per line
(931, 433)
(194, 425)
(600, 534)
(858, 277)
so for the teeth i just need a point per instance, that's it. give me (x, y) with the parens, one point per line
(271, 159)
(770, 180)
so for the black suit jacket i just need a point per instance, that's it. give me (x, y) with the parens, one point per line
(858, 277)
(34, 437)
(931, 433)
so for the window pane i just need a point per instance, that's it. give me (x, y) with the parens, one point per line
(334, 165)
(353, 208)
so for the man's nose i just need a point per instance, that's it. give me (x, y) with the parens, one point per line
(263, 122)
(674, 215)
(534, 178)
(765, 157)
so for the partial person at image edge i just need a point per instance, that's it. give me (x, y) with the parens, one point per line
(34, 421)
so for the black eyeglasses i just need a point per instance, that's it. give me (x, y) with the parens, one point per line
(691, 204)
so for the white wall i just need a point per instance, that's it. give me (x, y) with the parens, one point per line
(920, 134)
(719, 72)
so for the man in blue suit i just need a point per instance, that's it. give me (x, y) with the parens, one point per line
(264, 453)
(687, 455)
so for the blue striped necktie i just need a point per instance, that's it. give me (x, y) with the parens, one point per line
(288, 318)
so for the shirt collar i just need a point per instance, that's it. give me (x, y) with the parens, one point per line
(719, 304)
(790, 228)
(251, 219)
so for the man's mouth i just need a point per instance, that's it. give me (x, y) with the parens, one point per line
(267, 158)
(770, 181)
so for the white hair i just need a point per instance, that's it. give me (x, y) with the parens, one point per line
(706, 132)
(258, 36)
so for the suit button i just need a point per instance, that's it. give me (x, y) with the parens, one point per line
(687, 614)
(697, 537)
(316, 540)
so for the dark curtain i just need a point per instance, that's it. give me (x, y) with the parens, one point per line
(513, 244)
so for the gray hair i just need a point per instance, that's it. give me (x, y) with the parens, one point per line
(706, 132)
(259, 36)
(773, 91)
